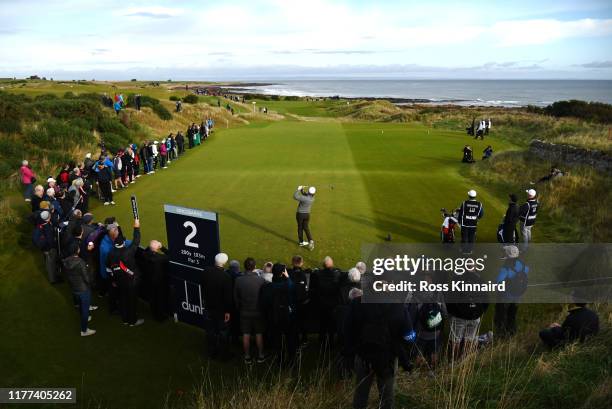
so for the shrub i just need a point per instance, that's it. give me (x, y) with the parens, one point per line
(113, 126)
(590, 111)
(69, 109)
(46, 97)
(191, 99)
(11, 147)
(14, 110)
(58, 134)
(114, 142)
(162, 112)
(174, 98)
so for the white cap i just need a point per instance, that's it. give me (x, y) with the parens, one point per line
(472, 193)
(312, 190)
(51, 180)
(45, 215)
(531, 192)
(24, 162)
(51, 192)
(88, 155)
(512, 251)
(221, 259)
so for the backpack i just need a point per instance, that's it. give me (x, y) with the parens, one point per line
(517, 285)
(117, 163)
(430, 316)
(281, 308)
(39, 239)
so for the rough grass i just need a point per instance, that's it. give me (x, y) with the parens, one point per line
(519, 126)
(507, 374)
(582, 195)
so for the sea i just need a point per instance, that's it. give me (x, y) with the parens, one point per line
(503, 93)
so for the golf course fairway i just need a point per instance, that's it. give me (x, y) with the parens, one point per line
(372, 180)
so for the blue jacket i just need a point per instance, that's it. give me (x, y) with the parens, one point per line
(507, 274)
(106, 246)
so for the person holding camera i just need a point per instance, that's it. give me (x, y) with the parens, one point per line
(305, 196)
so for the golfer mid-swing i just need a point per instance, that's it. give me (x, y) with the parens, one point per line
(304, 195)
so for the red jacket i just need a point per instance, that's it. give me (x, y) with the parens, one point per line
(26, 175)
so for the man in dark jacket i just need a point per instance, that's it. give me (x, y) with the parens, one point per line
(144, 157)
(122, 261)
(180, 143)
(156, 262)
(246, 298)
(45, 239)
(78, 276)
(278, 302)
(301, 281)
(376, 333)
(217, 292)
(580, 323)
(510, 220)
(325, 290)
(104, 172)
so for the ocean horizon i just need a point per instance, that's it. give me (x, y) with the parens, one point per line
(503, 93)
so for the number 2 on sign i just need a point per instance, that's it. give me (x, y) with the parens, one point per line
(194, 231)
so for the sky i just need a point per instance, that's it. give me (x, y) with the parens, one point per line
(270, 39)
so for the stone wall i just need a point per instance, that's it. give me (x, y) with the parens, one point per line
(571, 155)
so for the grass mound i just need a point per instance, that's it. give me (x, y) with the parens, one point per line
(367, 110)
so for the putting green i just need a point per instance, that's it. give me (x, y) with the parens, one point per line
(372, 180)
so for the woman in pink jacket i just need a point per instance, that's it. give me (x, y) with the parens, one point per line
(28, 177)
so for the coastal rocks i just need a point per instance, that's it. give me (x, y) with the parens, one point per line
(571, 155)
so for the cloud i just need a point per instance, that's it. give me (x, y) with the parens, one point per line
(100, 51)
(324, 52)
(596, 64)
(345, 52)
(153, 12)
(543, 31)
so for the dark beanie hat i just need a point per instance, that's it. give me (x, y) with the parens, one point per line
(277, 269)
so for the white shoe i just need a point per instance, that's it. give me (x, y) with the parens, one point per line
(106, 203)
(152, 171)
(89, 319)
(28, 200)
(139, 175)
(138, 322)
(112, 202)
(311, 245)
(113, 190)
(165, 167)
(88, 332)
(93, 307)
(133, 181)
(303, 243)
(169, 161)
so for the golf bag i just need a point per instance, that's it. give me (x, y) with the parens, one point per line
(447, 232)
